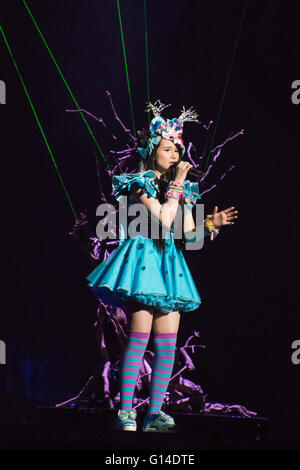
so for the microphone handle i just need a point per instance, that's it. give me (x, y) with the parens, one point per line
(192, 171)
(195, 172)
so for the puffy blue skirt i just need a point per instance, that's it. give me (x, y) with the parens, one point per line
(137, 271)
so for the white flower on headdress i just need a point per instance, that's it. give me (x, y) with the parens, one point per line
(157, 125)
(173, 131)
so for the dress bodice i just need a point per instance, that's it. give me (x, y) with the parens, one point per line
(127, 184)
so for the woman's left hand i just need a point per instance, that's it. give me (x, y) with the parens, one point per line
(224, 217)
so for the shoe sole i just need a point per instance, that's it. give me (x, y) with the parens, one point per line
(166, 430)
(126, 428)
(119, 426)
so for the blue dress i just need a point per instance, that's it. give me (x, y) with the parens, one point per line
(136, 270)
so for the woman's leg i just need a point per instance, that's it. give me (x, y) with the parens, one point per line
(165, 328)
(141, 318)
(140, 328)
(163, 323)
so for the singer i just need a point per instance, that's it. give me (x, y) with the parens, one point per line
(149, 278)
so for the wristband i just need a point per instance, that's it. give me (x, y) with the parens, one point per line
(176, 185)
(175, 189)
(209, 225)
(173, 193)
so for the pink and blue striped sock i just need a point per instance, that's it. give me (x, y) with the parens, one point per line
(164, 347)
(132, 360)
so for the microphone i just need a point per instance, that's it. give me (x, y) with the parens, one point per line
(195, 172)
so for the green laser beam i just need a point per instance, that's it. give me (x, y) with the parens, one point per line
(38, 121)
(147, 58)
(68, 88)
(226, 81)
(126, 68)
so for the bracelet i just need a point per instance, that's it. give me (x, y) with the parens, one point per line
(176, 184)
(173, 193)
(209, 225)
(175, 190)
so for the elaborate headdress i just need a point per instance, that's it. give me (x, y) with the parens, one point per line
(171, 129)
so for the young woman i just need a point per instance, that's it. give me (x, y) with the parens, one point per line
(148, 277)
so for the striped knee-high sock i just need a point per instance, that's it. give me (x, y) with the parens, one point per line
(164, 347)
(132, 361)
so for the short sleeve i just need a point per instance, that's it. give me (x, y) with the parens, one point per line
(190, 193)
(125, 184)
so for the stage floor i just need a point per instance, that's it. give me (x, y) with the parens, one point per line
(91, 428)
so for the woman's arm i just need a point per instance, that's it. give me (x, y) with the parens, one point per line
(189, 223)
(190, 228)
(165, 213)
(218, 219)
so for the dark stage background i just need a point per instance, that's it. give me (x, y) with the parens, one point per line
(247, 278)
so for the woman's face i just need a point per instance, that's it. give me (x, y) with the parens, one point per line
(166, 154)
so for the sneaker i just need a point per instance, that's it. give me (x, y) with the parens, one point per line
(159, 422)
(126, 420)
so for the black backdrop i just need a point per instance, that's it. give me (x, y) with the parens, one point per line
(247, 278)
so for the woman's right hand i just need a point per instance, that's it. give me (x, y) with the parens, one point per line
(181, 171)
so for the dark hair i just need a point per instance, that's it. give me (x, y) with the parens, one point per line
(149, 163)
